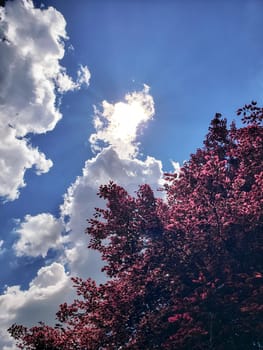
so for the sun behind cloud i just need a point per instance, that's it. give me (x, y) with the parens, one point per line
(117, 125)
(126, 118)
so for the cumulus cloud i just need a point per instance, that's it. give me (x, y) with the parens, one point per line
(38, 234)
(35, 304)
(81, 199)
(115, 162)
(66, 83)
(16, 156)
(31, 83)
(117, 127)
(117, 124)
(31, 45)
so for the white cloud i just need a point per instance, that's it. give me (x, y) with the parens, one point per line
(30, 75)
(38, 234)
(66, 83)
(116, 162)
(43, 296)
(83, 76)
(117, 124)
(31, 46)
(81, 199)
(16, 156)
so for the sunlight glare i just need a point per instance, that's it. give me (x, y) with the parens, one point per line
(117, 125)
(126, 119)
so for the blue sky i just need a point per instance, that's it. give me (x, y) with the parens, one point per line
(162, 68)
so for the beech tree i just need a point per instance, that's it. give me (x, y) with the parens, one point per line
(184, 272)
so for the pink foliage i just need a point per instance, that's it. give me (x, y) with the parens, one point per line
(183, 274)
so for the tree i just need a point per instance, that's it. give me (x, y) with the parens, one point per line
(184, 272)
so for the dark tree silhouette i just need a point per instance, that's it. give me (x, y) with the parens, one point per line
(185, 272)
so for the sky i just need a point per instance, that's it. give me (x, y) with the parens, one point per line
(99, 90)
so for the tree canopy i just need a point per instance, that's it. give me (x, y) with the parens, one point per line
(184, 272)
